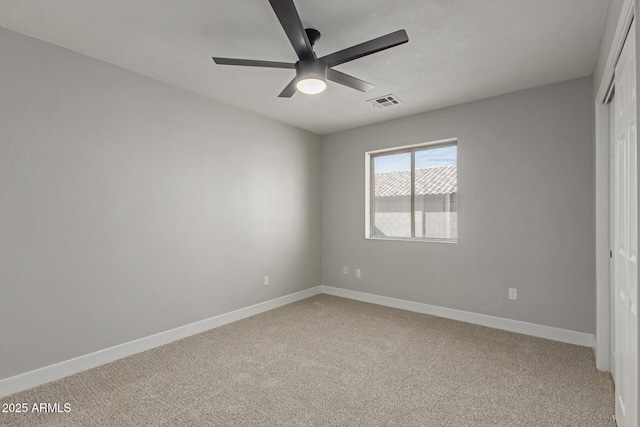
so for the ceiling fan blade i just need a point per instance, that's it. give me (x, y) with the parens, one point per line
(289, 90)
(366, 48)
(252, 63)
(347, 80)
(290, 20)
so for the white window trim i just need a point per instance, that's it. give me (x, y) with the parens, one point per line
(367, 189)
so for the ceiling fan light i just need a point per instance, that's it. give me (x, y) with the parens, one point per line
(311, 76)
(311, 85)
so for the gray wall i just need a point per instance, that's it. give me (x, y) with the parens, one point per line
(128, 207)
(525, 211)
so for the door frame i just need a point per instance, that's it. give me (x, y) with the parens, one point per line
(604, 323)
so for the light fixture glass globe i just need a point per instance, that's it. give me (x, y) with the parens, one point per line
(311, 86)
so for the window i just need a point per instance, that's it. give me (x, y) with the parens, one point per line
(412, 192)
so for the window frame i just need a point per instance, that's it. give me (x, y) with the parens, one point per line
(370, 185)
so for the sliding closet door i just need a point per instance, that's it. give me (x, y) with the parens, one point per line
(625, 251)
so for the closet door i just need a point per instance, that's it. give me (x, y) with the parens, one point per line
(625, 252)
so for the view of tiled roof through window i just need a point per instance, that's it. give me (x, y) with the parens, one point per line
(429, 181)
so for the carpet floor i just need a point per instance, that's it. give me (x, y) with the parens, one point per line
(333, 361)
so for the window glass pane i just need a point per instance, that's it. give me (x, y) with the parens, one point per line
(436, 210)
(392, 195)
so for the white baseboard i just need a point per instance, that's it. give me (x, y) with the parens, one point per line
(82, 363)
(548, 332)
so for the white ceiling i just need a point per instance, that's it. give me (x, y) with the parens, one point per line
(458, 50)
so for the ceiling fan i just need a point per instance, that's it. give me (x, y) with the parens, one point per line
(313, 72)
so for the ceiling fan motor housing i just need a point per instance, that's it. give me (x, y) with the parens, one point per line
(311, 68)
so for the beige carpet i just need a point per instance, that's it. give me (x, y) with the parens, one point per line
(334, 361)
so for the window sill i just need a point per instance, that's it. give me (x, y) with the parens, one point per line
(400, 239)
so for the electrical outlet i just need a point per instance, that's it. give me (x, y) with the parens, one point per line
(345, 270)
(358, 273)
(513, 293)
(266, 280)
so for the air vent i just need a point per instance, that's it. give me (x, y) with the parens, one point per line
(384, 101)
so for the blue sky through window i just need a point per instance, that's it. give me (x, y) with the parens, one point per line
(441, 156)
